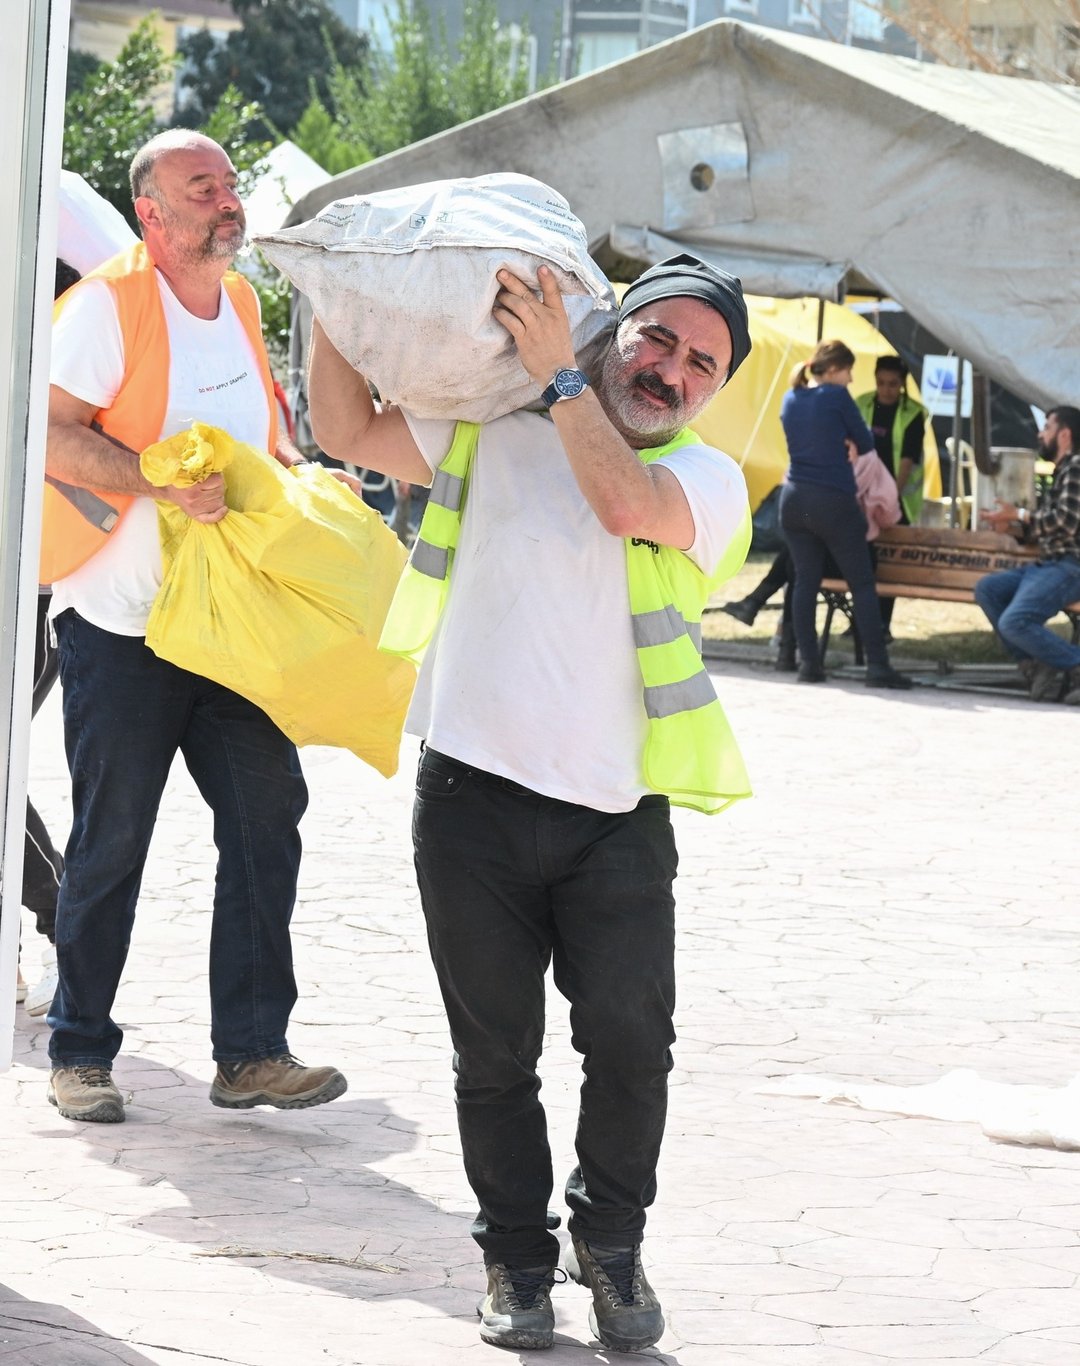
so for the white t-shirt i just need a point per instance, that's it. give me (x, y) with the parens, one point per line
(213, 377)
(533, 672)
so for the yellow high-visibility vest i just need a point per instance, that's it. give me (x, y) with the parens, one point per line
(690, 755)
(907, 410)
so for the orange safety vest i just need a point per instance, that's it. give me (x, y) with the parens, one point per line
(76, 522)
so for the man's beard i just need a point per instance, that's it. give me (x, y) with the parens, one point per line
(1046, 450)
(218, 248)
(212, 247)
(624, 398)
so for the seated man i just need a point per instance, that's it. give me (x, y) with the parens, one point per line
(1019, 602)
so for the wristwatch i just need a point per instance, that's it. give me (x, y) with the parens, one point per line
(566, 384)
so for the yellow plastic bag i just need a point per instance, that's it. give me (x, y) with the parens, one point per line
(284, 599)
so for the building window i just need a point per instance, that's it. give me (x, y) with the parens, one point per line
(1010, 46)
(1070, 53)
(599, 49)
(803, 12)
(747, 8)
(866, 21)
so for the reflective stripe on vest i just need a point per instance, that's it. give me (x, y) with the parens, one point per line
(90, 507)
(668, 699)
(422, 588)
(662, 626)
(74, 528)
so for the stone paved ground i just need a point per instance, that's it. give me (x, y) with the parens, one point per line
(898, 900)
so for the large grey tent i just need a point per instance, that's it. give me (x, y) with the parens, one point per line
(806, 167)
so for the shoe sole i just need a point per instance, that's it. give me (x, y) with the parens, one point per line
(36, 1008)
(615, 1343)
(516, 1338)
(228, 1100)
(101, 1112)
(524, 1339)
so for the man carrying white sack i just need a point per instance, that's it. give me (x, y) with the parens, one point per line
(160, 335)
(562, 704)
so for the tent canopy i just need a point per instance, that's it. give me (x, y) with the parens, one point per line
(805, 166)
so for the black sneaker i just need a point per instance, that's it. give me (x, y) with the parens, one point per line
(1047, 683)
(743, 610)
(625, 1314)
(812, 673)
(887, 677)
(516, 1311)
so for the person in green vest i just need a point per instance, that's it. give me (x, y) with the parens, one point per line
(898, 424)
(557, 582)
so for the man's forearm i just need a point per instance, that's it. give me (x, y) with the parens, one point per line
(339, 400)
(78, 455)
(628, 497)
(287, 453)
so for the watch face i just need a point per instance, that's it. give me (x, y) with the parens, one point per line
(569, 383)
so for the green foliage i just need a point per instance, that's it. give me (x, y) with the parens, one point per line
(80, 66)
(426, 86)
(423, 86)
(232, 123)
(280, 48)
(323, 138)
(275, 295)
(109, 117)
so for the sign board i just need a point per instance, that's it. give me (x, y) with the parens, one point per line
(938, 386)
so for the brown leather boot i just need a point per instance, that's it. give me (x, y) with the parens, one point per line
(282, 1082)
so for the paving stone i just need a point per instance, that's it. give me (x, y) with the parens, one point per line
(786, 1233)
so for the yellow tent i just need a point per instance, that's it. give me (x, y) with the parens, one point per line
(744, 418)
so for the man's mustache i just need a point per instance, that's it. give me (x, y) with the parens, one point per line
(653, 385)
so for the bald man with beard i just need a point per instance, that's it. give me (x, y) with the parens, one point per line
(158, 337)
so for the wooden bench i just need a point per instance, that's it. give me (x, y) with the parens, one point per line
(937, 564)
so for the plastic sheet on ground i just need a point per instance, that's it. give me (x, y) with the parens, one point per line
(1039, 1116)
(284, 599)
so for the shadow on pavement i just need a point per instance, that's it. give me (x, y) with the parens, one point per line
(33, 1333)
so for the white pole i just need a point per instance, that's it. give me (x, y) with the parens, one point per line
(33, 61)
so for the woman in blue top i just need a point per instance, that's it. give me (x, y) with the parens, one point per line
(819, 514)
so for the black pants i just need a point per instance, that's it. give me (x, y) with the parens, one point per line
(510, 881)
(42, 865)
(818, 522)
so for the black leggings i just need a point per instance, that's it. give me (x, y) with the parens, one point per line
(818, 522)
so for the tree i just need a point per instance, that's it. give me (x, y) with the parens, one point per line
(322, 137)
(112, 113)
(281, 47)
(109, 117)
(80, 65)
(1039, 41)
(423, 86)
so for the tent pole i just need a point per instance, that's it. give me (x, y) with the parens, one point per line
(954, 465)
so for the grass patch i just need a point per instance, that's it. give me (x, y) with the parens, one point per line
(955, 632)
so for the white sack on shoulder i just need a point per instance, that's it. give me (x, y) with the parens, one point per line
(403, 282)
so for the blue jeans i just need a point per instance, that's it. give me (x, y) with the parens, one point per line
(1019, 603)
(818, 522)
(126, 713)
(510, 881)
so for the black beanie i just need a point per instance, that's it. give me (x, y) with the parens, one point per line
(684, 275)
